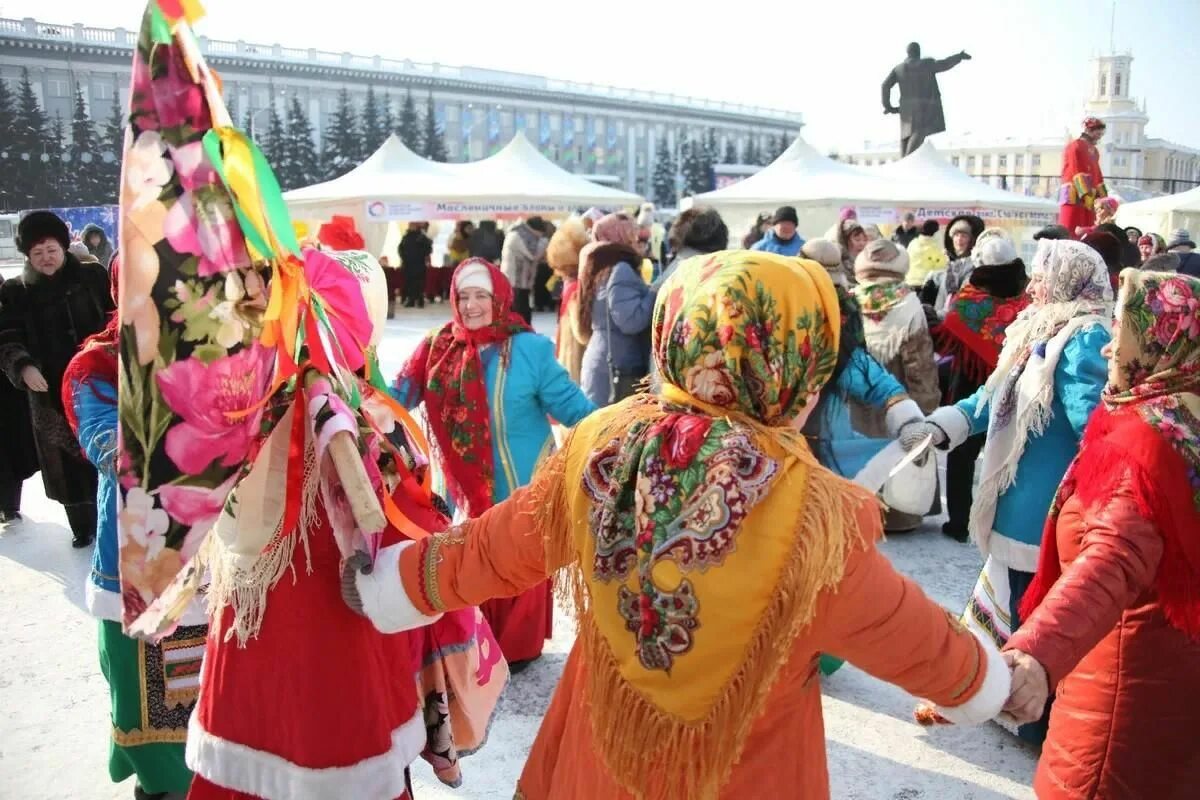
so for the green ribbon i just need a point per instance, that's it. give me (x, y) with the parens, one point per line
(274, 208)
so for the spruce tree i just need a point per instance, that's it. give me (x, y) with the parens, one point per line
(751, 154)
(374, 127)
(387, 118)
(781, 145)
(112, 146)
(274, 141)
(731, 153)
(663, 180)
(25, 147)
(341, 150)
(58, 189)
(85, 156)
(434, 144)
(301, 164)
(7, 121)
(695, 167)
(711, 155)
(409, 125)
(248, 127)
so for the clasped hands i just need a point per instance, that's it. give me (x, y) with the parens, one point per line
(1030, 687)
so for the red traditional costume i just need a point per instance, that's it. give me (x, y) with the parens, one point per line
(251, 407)
(1082, 181)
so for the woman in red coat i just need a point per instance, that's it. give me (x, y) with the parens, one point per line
(1114, 612)
(1082, 181)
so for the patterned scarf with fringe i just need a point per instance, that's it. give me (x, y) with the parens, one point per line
(1070, 293)
(690, 593)
(1146, 437)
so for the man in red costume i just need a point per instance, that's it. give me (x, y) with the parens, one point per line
(1082, 182)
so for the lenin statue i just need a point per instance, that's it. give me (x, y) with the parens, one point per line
(920, 101)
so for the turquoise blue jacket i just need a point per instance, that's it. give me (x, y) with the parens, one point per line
(770, 243)
(98, 437)
(1021, 510)
(865, 381)
(521, 398)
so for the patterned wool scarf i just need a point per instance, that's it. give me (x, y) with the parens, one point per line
(891, 314)
(448, 369)
(1070, 293)
(973, 331)
(1146, 438)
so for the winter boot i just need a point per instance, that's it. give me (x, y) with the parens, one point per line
(82, 517)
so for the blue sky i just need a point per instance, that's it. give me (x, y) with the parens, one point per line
(1030, 74)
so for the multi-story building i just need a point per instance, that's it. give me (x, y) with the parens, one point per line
(607, 133)
(1129, 159)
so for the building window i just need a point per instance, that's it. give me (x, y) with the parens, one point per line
(955, 161)
(1037, 161)
(1103, 84)
(58, 87)
(329, 103)
(1003, 162)
(1117, 85)
(987, 161)
(970, 163)
(102, 91)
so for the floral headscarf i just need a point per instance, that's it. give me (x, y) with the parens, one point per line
(448, 370)
(1069, 292)
(1147, 434)
(680, 652)
(745, 332)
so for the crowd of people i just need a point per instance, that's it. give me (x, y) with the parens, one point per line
(752, 383)
(301, 589)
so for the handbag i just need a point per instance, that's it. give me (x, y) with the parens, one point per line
(906, 482)
(621, 383)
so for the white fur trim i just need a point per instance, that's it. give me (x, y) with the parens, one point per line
(106, 605)
(954, 423)
(1015, 555)
(262, 774)
(384, 600)
(901, 413)
(992, 694)
(101, 603)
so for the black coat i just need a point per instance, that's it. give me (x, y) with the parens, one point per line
(43, 322)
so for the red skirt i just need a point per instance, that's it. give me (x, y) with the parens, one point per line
(1072, 217)
(522, 624)
(319, 705)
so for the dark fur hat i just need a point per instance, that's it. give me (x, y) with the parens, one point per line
(37, 226)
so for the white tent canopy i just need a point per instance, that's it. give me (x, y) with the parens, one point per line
(923, 182)
(927, 178)
(395, 185)
(1162, 215)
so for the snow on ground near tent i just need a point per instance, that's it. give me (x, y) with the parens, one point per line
(54, 702)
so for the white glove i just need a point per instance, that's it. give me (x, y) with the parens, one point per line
(913, 433)
(376, 591)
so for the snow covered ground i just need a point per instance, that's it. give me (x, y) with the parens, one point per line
(54, 701)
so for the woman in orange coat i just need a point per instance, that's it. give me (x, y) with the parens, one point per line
(701, 608)
(1117, 593)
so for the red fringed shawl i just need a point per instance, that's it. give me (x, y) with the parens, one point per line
(447, 367)
(973, 331)
(1128, 442)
